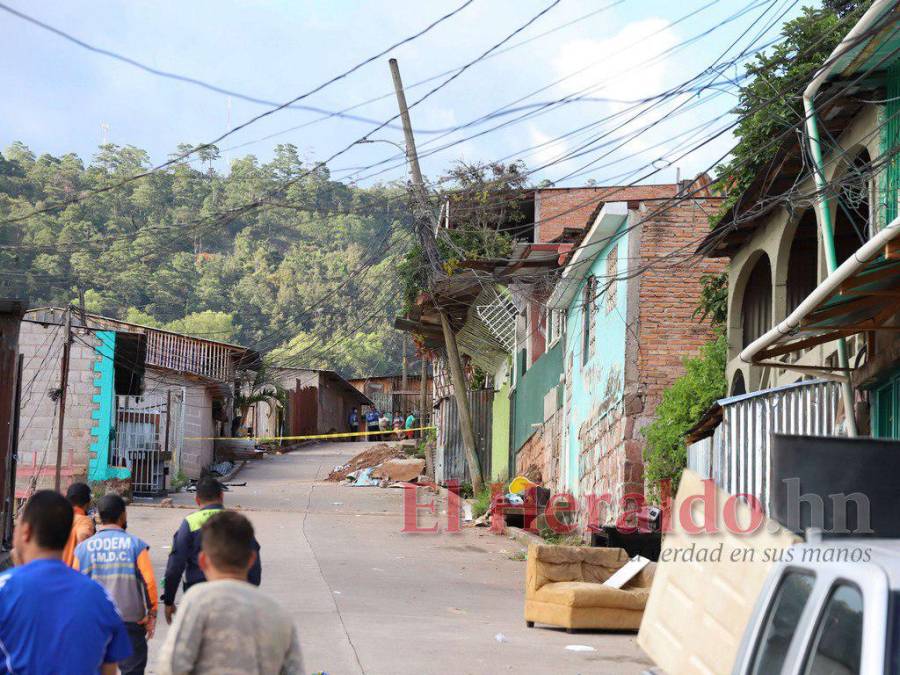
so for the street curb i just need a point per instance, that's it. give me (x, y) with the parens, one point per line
(523, 537)
(294, 447)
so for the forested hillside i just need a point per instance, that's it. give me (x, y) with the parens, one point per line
(309, 274)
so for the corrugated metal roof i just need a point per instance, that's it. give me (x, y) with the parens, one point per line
(875, 52)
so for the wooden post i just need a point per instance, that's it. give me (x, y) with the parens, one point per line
(63, 385)
(404, 381)
(429, 246)
(10, 389)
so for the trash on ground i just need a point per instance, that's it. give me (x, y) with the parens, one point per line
(363, 478)
(222, 468)
(467, 512)
(369, 458)
(399, 469)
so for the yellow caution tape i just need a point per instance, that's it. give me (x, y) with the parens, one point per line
(304, 438)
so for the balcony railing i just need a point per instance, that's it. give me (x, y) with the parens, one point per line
(738, 454)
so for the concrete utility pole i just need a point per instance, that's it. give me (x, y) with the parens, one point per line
(429, 246)
(63, 385)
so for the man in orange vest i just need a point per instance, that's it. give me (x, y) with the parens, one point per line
(79, 496)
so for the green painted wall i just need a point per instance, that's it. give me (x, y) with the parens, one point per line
(500, 434)
(105, 381)
(531, 387)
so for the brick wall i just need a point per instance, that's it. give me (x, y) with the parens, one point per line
(560, 208)
(667, 293)
(538, 458)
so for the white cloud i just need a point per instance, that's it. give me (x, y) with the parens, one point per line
(549, 150)
(627, 66)
(614, 66)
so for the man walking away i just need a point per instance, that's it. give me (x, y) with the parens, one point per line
(120, 562)
(226, 625)
(79, 496)
(53, 619)
(183, 559)
(353, 422)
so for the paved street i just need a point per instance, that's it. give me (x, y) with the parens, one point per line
(370, 599)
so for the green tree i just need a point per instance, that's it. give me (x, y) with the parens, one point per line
(703, 382)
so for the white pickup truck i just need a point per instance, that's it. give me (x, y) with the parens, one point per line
(827, 618)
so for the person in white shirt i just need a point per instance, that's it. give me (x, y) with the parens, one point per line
(227, 625)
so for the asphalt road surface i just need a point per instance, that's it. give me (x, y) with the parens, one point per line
(369, 598)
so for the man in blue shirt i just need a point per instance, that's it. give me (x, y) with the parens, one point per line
(52, 618)
(372, 424)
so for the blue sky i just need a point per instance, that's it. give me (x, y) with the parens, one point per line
(57, 96)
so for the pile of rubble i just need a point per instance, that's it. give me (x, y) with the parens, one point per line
(380, 464)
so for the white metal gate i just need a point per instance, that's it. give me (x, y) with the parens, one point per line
(139, 440)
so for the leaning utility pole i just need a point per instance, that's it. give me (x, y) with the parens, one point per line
(63, 385)
(423, 391)
(429, 246)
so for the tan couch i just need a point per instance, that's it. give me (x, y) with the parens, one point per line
(564, 587)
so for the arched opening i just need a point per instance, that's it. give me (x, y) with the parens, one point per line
(852, 215)
(801, 269)
(756, 308)
(738, 387)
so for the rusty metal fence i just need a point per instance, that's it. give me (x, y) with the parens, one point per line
(450, 456)
(738, 454)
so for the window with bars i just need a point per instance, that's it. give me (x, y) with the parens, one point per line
(587, 314)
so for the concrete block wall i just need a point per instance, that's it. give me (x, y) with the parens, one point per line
(41, 348)
(199, 427)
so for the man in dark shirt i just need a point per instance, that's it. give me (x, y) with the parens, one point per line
(186, 546)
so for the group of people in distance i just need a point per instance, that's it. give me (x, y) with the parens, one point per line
(380, 426)
(82, 599)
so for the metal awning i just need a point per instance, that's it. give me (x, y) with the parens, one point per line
(861, 295)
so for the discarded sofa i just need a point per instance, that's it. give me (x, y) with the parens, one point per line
(564, 587)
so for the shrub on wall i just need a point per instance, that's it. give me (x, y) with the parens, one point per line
(703, 382)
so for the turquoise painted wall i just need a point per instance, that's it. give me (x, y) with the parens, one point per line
(500, 434)
(104, 415)
(531, 387)
(602, 377)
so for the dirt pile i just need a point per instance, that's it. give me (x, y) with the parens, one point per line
(371, 457)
